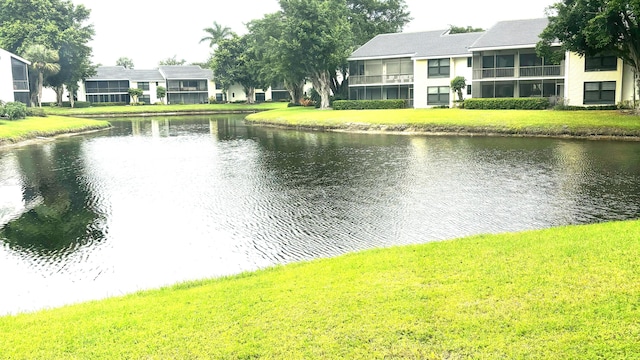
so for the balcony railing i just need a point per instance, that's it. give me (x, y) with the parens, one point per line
(523, 71)
(492, 73)
(380, 79)
(20, 85)
(539, 71)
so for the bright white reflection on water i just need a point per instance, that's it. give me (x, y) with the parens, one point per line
(154, 202)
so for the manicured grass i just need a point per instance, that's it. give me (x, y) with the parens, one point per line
(531, 122)
(32, 127)
(563, 293)
(151, 109)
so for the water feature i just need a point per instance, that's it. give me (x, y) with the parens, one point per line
(156, 201)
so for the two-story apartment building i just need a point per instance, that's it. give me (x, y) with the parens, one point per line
(500, 62)
(14, 78)
(184, 84)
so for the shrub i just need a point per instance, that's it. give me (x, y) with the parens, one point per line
(293, 104)
(33, 111)
(99, 104)
(507, 103)
(15, 110)
(628, 105)
(368, 104)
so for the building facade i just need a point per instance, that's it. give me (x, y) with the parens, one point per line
(14, 78)
(499, 62)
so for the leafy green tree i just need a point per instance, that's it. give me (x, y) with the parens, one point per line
(43, 61)
(216, 34)
(235, 62)
(317, 34)
(161, 92)
(172, 61)
(126, 62)
(457, 84)
(462, 30)
(274, 64)
(135, 93)
(592, 27)
(369, 18)
(58, 25)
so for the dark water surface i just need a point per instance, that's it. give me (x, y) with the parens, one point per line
(156, 201)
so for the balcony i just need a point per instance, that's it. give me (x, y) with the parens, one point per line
(523, 71)
(380, 79)
(20, 85)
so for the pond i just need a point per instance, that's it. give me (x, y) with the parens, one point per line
(152, 202)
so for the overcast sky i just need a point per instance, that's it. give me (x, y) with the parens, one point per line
(149, 31)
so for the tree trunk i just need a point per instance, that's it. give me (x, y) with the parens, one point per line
(322, 84)
(40, 82)
(296, 91)
(59, 93)
(250, 91)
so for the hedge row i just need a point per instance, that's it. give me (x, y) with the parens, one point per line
(368, 104)
(507, 103)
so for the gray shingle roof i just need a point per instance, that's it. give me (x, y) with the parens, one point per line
(419, 44)
(145, 75)
(512, 33)
(110, 73)
(169, 72)
(190, 72)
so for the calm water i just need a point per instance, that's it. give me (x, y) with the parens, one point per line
(154, 202)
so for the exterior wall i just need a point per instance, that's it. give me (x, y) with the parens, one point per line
(236, 93)
(577, 76)
(6, 78)
(12, 89)
(457, 66)
(629, 90)
(151, 93)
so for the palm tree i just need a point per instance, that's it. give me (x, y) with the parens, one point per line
(43, 61)
(216, 34)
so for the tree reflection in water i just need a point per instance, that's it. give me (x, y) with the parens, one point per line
(62, 218)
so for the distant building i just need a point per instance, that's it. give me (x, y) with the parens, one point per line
(500, 62)
(14, 78)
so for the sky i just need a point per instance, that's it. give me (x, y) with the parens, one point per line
(148, 32)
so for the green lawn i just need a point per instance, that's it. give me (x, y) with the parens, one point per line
(531, 122)
(32, 127)
(150, 109)
(562, 293)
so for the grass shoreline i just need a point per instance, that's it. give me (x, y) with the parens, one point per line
(560, 293)
(31, 129)
(521, 123)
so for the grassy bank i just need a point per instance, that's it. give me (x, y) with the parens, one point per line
(162, 109)
(526, 122)
(33, 127)
(563, 293)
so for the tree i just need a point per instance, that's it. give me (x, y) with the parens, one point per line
(56, 24)
(235, 62)
(172, 61)
(316, 34)
(126, 62)
(457, 84)
(216, 34)
(462, 30)
(135, 93)
(161, 92)
(272, 60)
(592, 27)
(369, 18)
(43, 61)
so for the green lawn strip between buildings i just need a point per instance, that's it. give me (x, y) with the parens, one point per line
(33, 127)
(160, 109)
(515, 122)
(561, 293)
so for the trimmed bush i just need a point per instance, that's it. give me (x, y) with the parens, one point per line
(14, 110)
(507, 103)
(368, 104)
(107, 104)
